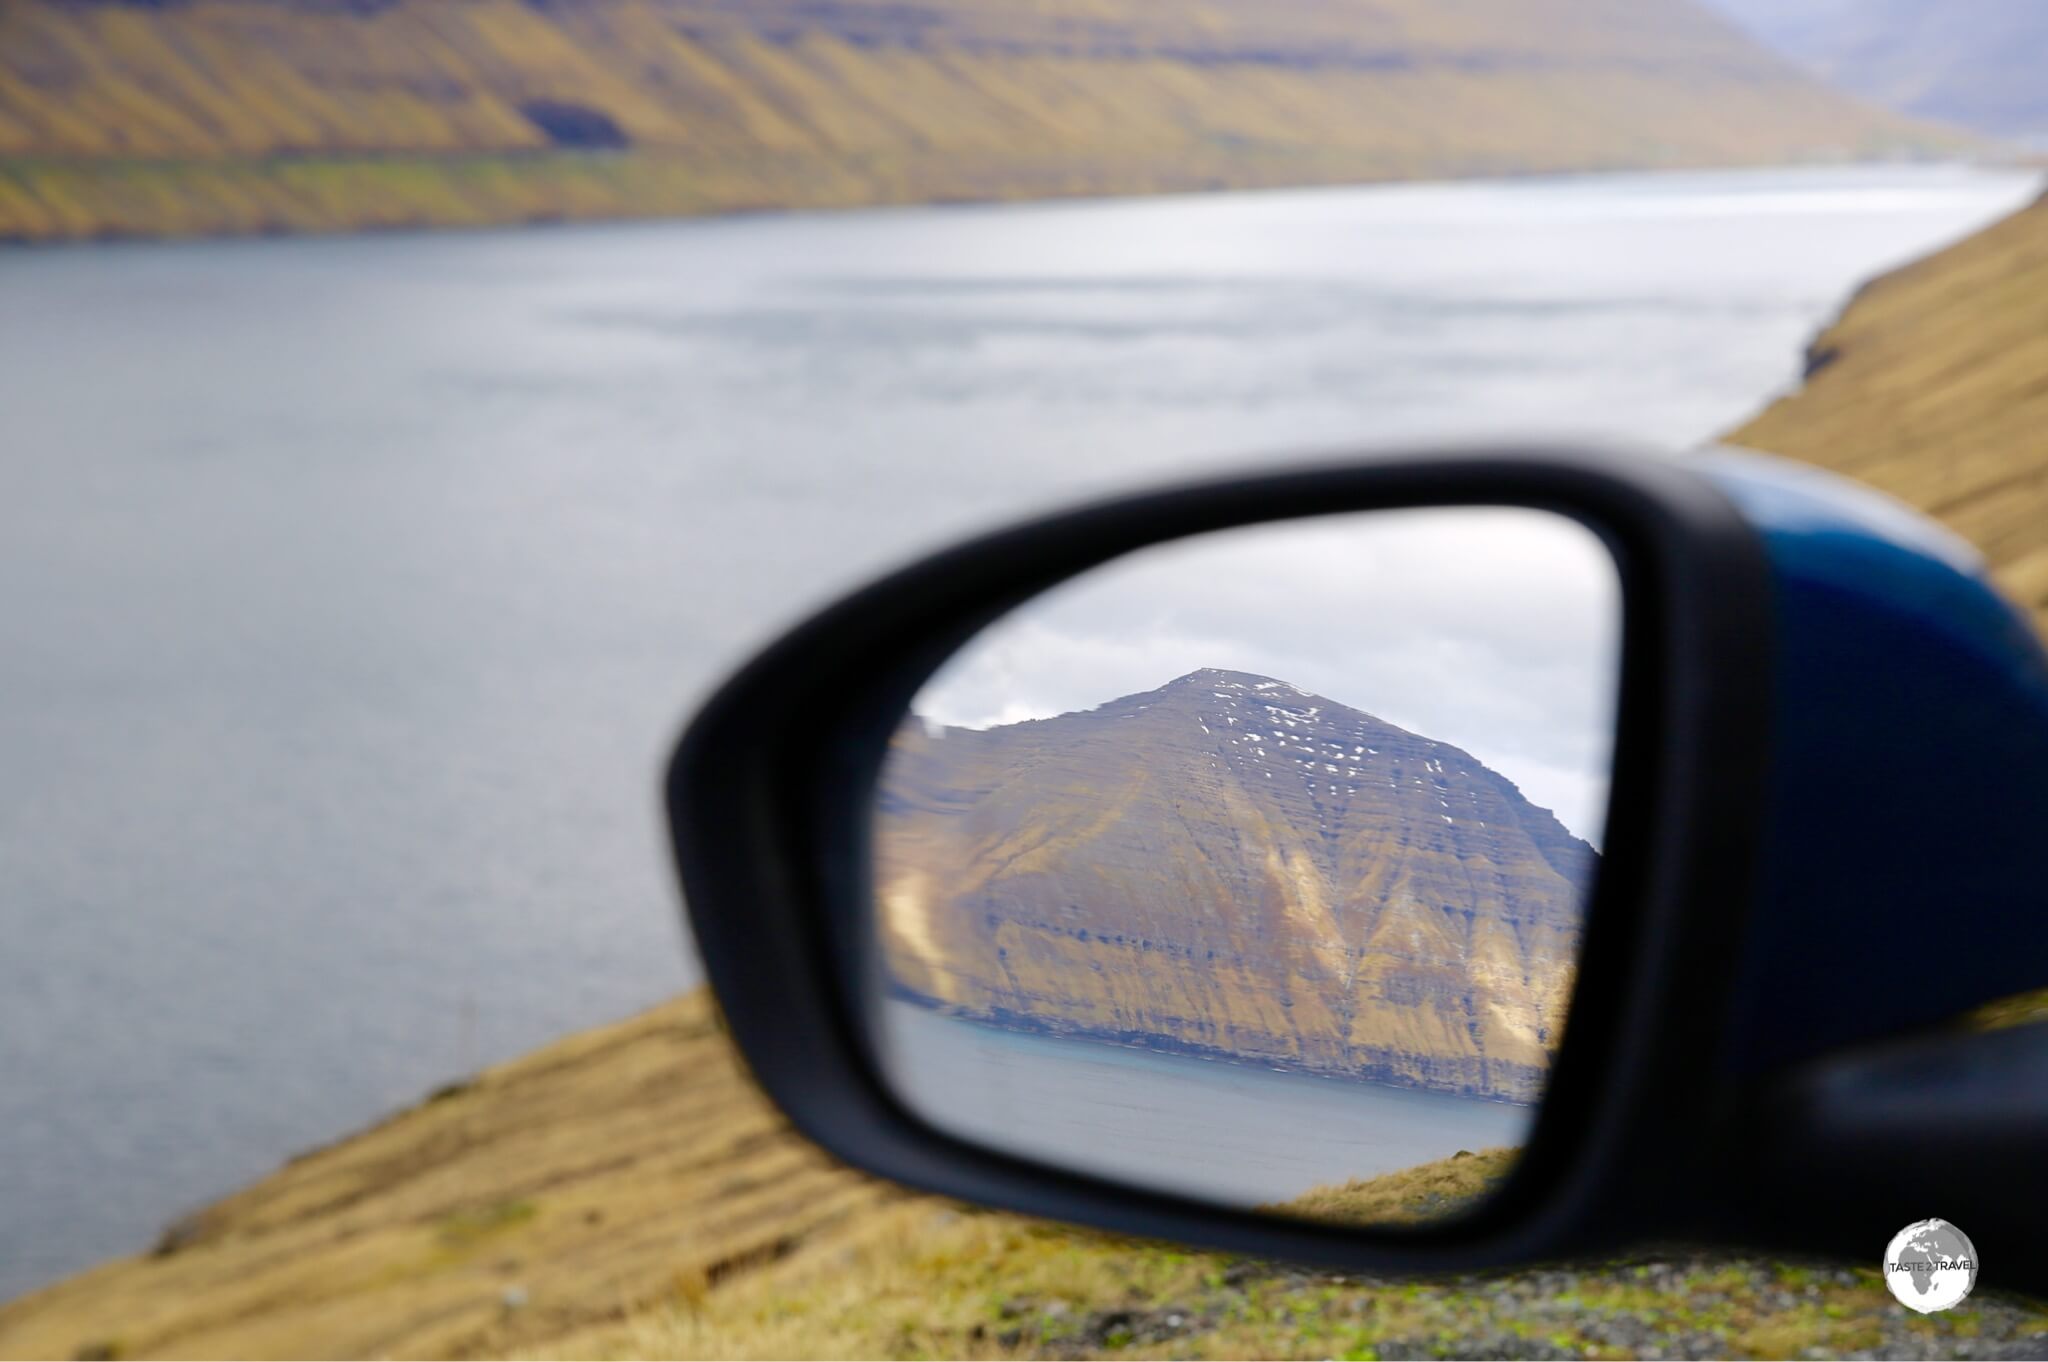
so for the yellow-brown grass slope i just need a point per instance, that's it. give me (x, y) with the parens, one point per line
(1933, 386)
(281, 115)
(1148, 872)
(615, 1171)
(1425, 1194)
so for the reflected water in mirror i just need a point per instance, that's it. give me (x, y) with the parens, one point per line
(1252, 867)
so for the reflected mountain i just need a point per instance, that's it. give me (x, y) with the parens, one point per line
(1232, 866)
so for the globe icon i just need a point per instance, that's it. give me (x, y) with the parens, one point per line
(1930, 1265)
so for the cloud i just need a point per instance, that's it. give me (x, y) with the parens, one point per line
(1496, 629)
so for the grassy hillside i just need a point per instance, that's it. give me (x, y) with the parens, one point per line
(609, 1172)
(626, 1193)
(293, 115)
(1933, 385)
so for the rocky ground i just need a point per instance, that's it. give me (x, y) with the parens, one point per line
(952, 1282)
(1679, 1305)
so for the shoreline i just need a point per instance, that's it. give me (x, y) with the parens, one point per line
(1190, 185)
(1017, 1024)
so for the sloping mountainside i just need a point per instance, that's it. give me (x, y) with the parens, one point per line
(1978, 63)
(282, 115)
(622, 1168)
(1231, 864)
(1933, 386)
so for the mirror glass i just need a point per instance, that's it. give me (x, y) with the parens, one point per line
(1251, 867)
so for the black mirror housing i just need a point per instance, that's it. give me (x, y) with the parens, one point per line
(771, 835)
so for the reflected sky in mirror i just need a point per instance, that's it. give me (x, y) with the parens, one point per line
(1496, 629)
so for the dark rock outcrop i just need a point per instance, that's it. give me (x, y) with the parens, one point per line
(574, 125)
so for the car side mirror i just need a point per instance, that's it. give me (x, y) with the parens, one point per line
(1409, 863)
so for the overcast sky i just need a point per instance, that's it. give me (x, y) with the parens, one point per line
(1496, 629)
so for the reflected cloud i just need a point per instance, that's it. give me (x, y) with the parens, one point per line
(1496, 629)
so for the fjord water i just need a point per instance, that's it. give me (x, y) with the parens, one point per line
(352, 588)
(1238, 1134)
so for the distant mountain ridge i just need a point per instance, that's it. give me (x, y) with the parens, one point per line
(122, 118)
(1233, 865)
(1979, 63)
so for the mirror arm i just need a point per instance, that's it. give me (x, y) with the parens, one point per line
(1842, 1153)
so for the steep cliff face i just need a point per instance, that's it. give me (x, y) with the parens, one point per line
(1231, 864)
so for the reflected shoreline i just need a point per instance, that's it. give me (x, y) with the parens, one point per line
(1232, 1134)
(1004, 1021)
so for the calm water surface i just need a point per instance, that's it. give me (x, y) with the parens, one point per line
(1237, 1134)
(350, 589)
